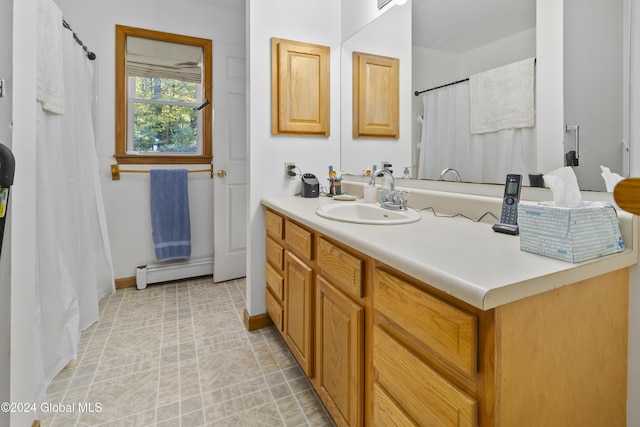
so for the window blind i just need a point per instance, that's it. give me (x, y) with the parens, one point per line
(153, 58)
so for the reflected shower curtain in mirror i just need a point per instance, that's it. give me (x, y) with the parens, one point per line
(74, 268)
(446, 141)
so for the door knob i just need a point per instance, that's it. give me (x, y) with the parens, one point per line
(222, 173)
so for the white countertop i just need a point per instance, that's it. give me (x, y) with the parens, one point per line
(465, 259)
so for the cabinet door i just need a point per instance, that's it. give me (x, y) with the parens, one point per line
(299, 88)
(298, 300)
(340, 354)
(375, 96)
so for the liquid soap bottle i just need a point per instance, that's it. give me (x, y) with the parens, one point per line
(371, 191)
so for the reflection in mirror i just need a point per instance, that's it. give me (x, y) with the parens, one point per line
(494, 43)
(389, 35)
(595, 114)
(542, 40)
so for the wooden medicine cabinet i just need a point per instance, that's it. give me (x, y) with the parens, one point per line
(299, 88)
(375, 96)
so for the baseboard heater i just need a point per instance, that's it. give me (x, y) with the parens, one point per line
(173, 270)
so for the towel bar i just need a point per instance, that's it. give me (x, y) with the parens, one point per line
(116, 171)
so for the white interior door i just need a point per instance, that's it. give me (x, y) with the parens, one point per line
(229, 162)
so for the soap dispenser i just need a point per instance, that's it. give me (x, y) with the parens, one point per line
(371, 191)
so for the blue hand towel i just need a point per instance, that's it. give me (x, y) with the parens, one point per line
(170, 224)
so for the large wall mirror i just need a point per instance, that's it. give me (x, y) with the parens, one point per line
(589, 83)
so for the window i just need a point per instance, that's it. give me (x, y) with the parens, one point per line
(161, 81)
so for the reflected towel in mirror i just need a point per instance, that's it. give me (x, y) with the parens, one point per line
(502, 98)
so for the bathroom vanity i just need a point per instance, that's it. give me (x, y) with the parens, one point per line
(444, 322)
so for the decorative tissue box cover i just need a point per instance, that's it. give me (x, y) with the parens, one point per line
(569, 234)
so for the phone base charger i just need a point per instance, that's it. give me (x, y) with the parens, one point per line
(506, 228)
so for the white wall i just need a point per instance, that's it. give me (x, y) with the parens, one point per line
(24, 340)
(389, 35)
(127, 200)
(6, 33)
(311, 22)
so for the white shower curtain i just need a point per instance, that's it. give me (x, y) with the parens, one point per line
(446, 141)
(74, 259)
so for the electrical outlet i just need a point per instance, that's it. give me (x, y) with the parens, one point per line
(290, 167)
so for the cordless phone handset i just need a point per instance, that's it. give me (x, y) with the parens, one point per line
(509, 216)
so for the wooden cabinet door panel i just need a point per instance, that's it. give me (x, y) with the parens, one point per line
(300, 241)
(274, 224)
(447, 330)
(298, 303)
(343, 269)
(300, 88)
(426, 396)
(340, 354)
(387, 412)
(375, 96)
(275, 253)
(274, 310)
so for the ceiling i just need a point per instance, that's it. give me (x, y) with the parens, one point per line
(238, 5)
(454, 26)
(458, 26)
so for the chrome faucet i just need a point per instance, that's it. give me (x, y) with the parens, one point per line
(447, 170)
(390, 198)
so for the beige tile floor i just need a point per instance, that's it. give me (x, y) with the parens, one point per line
(178, 354)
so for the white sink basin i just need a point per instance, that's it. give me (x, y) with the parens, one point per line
(364, 213)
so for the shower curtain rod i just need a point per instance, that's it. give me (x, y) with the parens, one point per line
(116, 171)
(89, 54)
(416, 93)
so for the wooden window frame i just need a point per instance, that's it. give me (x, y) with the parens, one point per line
(122, 32)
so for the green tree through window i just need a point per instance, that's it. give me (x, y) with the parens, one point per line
(165, 120)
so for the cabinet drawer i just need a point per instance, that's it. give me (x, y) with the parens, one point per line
(300, 241)
(274, 224)
(386, 411)
(421, 392)
(448, 331)
(341, 268)
(275, 253)
(274, 310)
(275, 282)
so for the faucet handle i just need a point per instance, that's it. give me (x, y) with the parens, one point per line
(399, 198)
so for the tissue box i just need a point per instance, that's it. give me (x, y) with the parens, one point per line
(569, 234)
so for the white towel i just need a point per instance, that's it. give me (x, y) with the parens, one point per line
(502, 98)
(50, 75)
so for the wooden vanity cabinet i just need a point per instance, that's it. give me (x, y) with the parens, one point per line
(384, 349)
